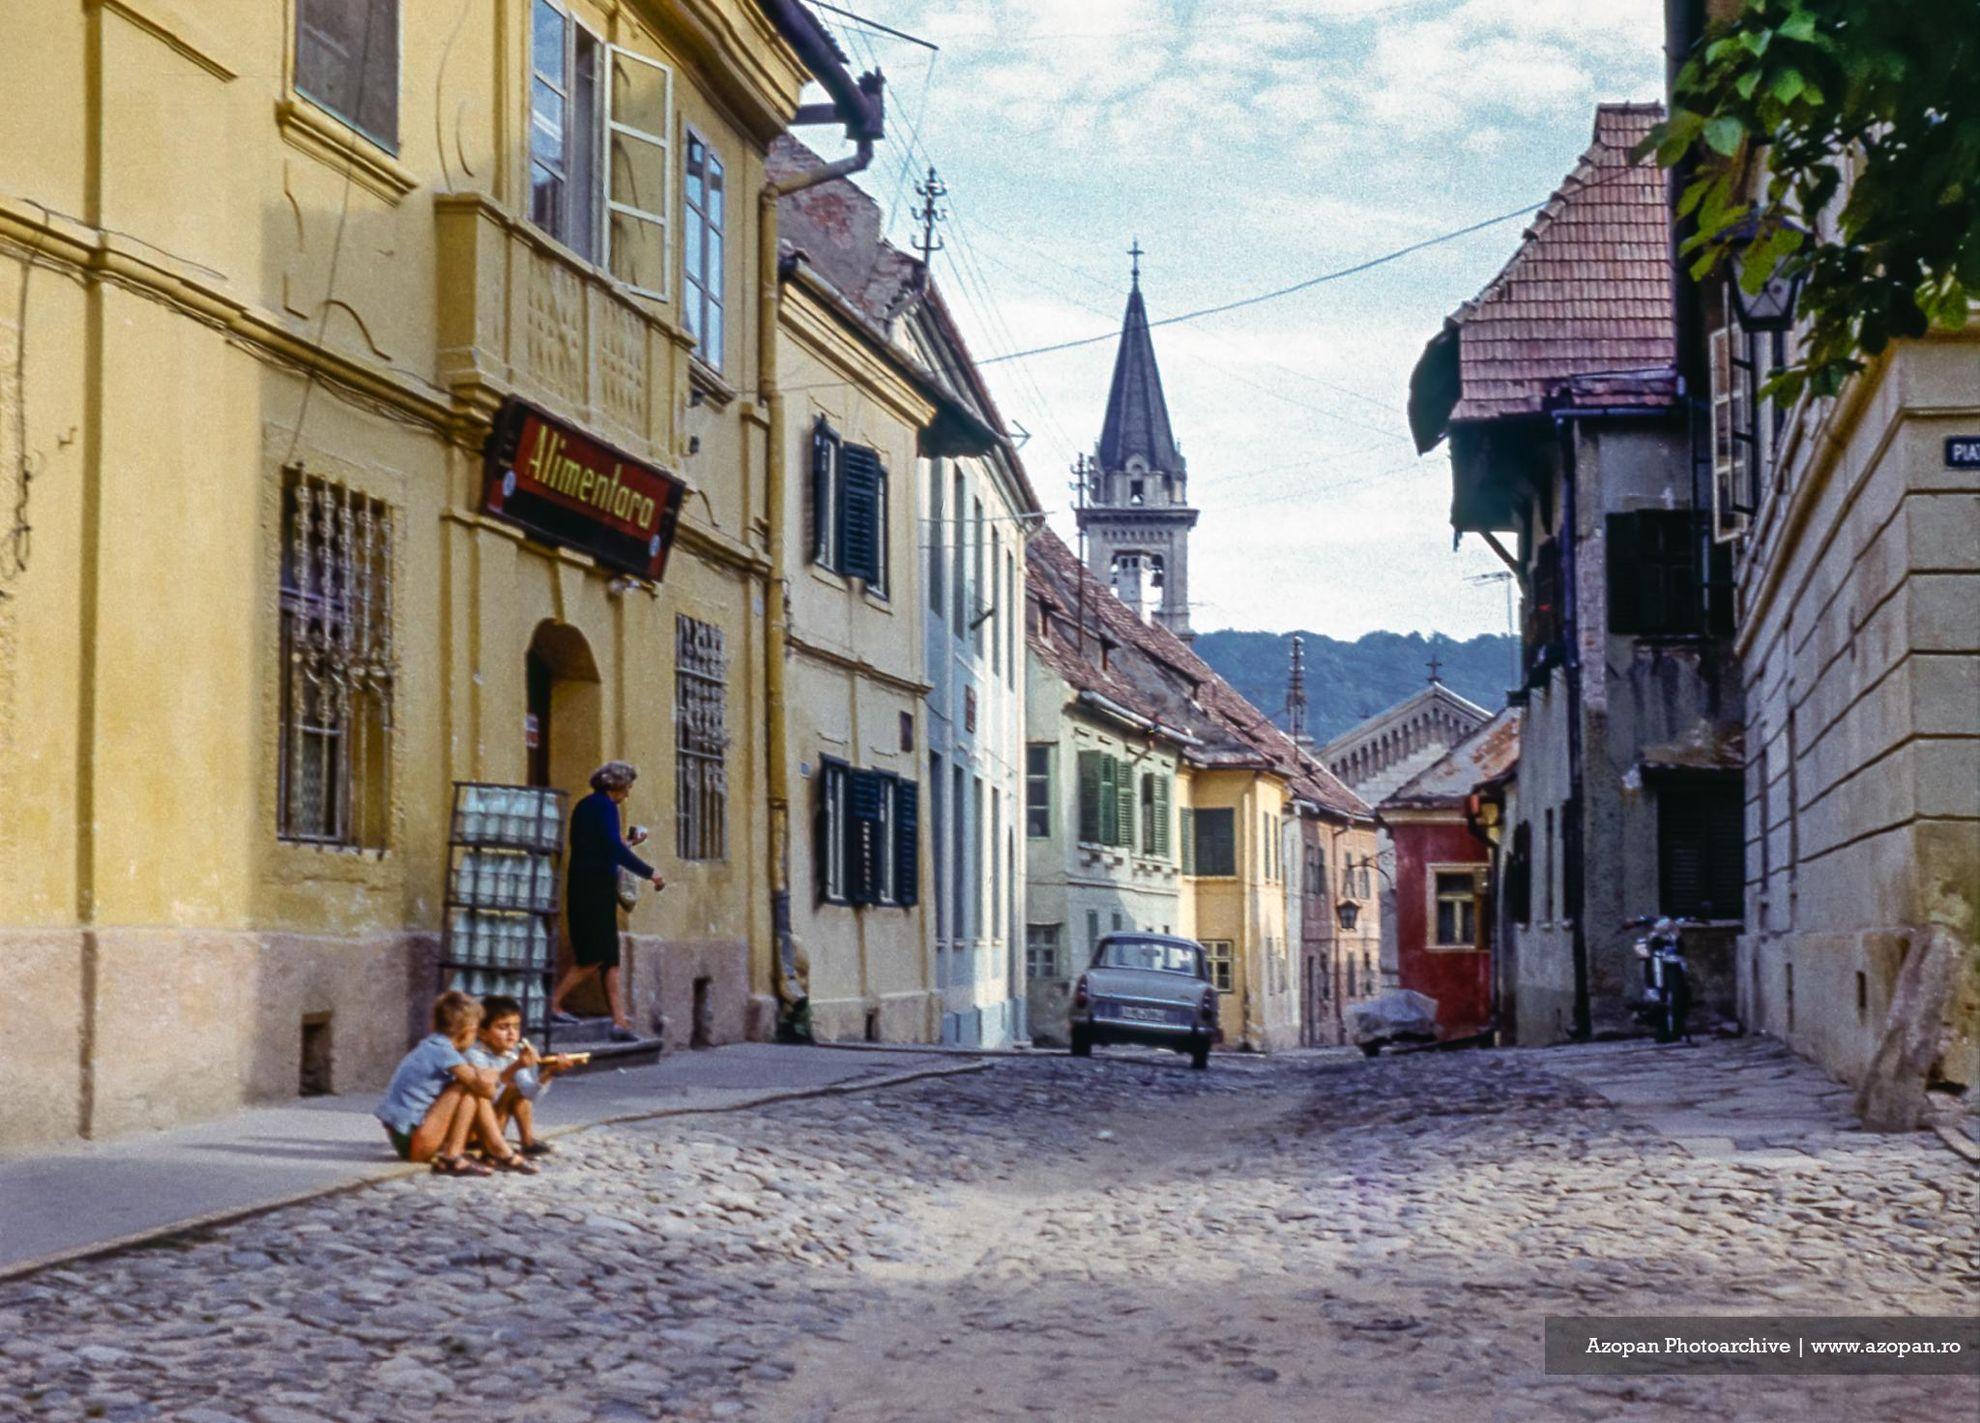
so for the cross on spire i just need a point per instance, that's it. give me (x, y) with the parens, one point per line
(1134, 252)
(1436, 666)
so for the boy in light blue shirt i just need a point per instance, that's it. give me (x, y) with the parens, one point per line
(436, 1098)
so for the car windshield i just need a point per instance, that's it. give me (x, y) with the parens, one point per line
(1151, 954)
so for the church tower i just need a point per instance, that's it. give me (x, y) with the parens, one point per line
(1134, 498)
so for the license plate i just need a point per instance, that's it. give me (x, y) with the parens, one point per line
(1144, 1015)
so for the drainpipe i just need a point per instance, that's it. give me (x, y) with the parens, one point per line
(864, 127)
(1571, 635)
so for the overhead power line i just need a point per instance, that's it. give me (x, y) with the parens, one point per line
(1334, 276)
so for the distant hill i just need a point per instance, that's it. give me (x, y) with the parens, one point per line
(1347, 682)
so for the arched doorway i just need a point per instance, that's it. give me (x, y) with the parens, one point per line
(563, 735)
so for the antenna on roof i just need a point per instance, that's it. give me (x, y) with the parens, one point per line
(1296, 693)
(930, 193)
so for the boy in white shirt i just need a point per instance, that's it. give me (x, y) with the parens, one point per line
(515, 1072)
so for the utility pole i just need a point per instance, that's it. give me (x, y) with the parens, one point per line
(1080, 475)
(931, 192)
(1296, 693)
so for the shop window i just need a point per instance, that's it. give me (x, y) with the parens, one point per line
(1041, 952)
(701, 741)
(848, 509)
(347, 63)
(339, 663)
(1701, 850)
(1216, 842)
(867, 828)
(565, 124)
(1457, 909)
(704, 225)
(1038, 792)
(1218, 954)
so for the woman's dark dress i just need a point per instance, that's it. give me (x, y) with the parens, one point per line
(598, 853)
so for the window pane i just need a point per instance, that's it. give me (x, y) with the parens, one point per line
(696, 157)
(639, 95)
(545, 199)
(639, 173)
(711, 339)
(714, 265)
(581, 134)
(546, 127)
(547, 43)
(347, 61)
(715, 217)
(691, 246)
(639, 252)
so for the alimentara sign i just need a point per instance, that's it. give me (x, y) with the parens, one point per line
(570, 489)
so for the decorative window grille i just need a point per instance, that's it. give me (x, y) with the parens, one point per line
(340, 665)
(701, 741)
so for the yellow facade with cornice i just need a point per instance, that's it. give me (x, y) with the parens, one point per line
(206, 280)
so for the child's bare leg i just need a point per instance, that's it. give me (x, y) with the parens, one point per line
(506, 1106)
(525, 1114)
(443, 1131)
(488, 1129)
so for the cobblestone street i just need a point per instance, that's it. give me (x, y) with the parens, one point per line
(1303, 1237)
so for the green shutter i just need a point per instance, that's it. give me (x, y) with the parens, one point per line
(1188, 829)
(1124, 791)
(1110, 802)
(1162, 817)
(1089, 796)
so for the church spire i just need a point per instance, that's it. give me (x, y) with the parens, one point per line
(1137, 423)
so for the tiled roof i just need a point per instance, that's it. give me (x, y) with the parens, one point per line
(1589, 289)
(1153, 674)
(837, 230)
(1485, 755)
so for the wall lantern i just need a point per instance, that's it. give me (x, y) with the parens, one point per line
(1771, 309)
(1347, 911)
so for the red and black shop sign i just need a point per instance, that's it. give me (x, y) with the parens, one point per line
(567, 488)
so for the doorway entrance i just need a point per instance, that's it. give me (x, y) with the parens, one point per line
(563, 734)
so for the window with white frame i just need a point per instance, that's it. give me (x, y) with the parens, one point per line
(566, 119)
(1041, 952)
(704, 224)
(1217, 952)
(639, 103)
(1038, 791)
(701, 740)
(347, 63)
(1456, 902)
(339, 663)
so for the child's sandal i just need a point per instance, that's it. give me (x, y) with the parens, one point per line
(458, 1166)
(537, 1148)
(515, 1163)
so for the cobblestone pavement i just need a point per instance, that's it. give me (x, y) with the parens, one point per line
(1121, 1238)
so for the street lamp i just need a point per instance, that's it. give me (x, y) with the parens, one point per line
(1347, 911)
(1771, 309)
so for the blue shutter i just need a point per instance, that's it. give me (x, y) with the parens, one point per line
(907, 843)
(859, 502)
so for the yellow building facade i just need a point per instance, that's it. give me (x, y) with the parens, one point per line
(1240, 917)
(265, 303)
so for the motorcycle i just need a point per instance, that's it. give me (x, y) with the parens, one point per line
(1666, 1002)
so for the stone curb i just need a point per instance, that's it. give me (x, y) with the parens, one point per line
(401, 1172)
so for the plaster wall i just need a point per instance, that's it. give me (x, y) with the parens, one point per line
(1860, 591)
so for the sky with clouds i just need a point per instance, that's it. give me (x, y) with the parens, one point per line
(1248, 147)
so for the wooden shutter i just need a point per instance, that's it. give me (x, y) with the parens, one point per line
(1089, 796)
(1701, 850)
(859, 504)
(865, 790)
(1124, 795)
(1162, 817)
(824, 513)
(1188, 830)
(907, 843)
(1110, 802)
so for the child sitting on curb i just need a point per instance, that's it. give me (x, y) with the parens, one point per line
(436, 1099)
(520, 1075)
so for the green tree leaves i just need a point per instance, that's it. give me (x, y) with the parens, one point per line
(1771, 111)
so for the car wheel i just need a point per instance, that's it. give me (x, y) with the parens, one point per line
(1371, 1049)
(1082, 1042)
(1199, 1056)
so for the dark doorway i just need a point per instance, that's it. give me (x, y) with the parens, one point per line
(536, 729)
(703, 1030)
(317, 1078)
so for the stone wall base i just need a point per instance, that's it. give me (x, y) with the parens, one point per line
(119, 1030)
(886, 1018)
(692, 992)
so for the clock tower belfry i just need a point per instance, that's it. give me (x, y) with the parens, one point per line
(1134, 494)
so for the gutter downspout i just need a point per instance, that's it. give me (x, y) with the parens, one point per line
(1571, 658)
(792, 987)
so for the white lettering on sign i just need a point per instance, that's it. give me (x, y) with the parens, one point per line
(1963, 451)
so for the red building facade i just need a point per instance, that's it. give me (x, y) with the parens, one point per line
(1443, 915)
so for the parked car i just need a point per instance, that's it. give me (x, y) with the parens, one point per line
(1147, 988)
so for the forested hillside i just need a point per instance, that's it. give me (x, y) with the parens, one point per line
(1347, 681)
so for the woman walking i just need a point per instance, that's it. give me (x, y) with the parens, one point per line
(598, 852)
